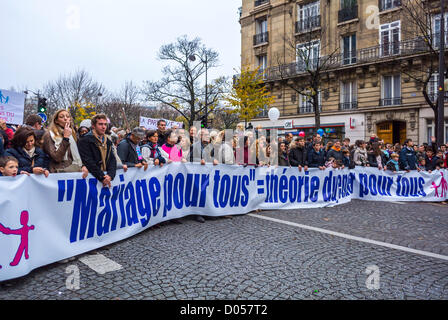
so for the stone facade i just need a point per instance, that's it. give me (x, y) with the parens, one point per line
(370, 72)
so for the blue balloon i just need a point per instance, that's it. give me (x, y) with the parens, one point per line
(320, 132)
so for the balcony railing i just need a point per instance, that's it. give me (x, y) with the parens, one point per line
(307, 109)
(390, 102)
(308, 24)
(348, 105)
(261, 38)
(388, 4)
(260, 2)
(348, 13)
(365, 55)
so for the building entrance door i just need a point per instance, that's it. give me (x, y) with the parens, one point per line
(392, 131)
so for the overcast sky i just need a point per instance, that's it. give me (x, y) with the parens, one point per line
(113, 40)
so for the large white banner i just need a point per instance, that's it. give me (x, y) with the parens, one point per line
(12, 105)
(151, 124)
(44, 220)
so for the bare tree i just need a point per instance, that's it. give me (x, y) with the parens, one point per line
(423, 37)
(305, 76)
(183, 88)
(71, 91)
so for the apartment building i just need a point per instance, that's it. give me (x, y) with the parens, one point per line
(370, 58)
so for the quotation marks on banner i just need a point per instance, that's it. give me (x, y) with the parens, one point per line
(23, 233)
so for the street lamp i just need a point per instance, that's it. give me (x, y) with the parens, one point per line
(192, 57)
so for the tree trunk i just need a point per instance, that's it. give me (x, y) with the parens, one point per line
(316, 111)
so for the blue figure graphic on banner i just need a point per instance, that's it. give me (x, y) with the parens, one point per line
(3, 99)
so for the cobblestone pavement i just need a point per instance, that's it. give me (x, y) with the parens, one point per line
(249, 258)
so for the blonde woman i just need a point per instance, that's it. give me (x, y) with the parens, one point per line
(59, 142)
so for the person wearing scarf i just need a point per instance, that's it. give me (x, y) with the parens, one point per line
(96, 151)
(31, 159)
(151, 151)
(60, 144)
(335, 151)
(392, 164)
(171, 150)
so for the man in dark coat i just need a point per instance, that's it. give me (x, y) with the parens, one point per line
(408, 157)
(335, 151)
(316, 158)
(129, 151)
(96, 151)
(298, 155)
(161, 131)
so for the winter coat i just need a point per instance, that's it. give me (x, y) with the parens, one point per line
(337, 155)
(151, 152)
(39, 160)
(283, 159)
(2, 147)
(431, 163)
(173, 152)
(316, 159)
(408, 159)
(298, 157)
(392, 165)
(127, 151)
(91, 156)
(360, 157)
(225, 154)
(57, 156)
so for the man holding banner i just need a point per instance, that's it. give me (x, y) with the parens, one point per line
(96, 151)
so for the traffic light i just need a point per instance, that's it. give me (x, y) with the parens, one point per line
(42, 105)
(204, 123)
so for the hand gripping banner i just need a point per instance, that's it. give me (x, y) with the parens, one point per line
(44, 220)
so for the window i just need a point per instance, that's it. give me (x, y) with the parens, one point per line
(391, 90)
(262, 62)
(389, 4)
(430, 130)
(349, 10)
(390, 38)
(308, 16)
(260, 2)
(308, 55)
(306, 103)
(348, 95)
(437, 29)
(261, 31)
(433, 85)
(262, 25)
(349, 49)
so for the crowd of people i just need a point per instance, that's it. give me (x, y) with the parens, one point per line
(97, 148)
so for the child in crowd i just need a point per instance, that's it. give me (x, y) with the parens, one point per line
(421, 164)
(392, 164)
(346, 158)
(9, 166)
(330, 162)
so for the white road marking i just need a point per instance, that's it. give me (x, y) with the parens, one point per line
(100, 263)
(396, 202)
(350, 237)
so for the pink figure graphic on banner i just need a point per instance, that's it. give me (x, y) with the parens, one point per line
(443, 186)
(23, 233)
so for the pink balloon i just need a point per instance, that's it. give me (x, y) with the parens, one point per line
(302, 134)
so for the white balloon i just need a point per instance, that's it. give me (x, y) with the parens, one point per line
(274, 114)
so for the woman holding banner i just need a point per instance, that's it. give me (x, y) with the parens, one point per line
(31, 159)
(60, 145)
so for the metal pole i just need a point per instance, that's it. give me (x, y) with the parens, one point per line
(441, 88)
(206, 91)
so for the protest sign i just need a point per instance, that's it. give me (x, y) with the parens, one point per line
(12, 105)
(151, 124)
